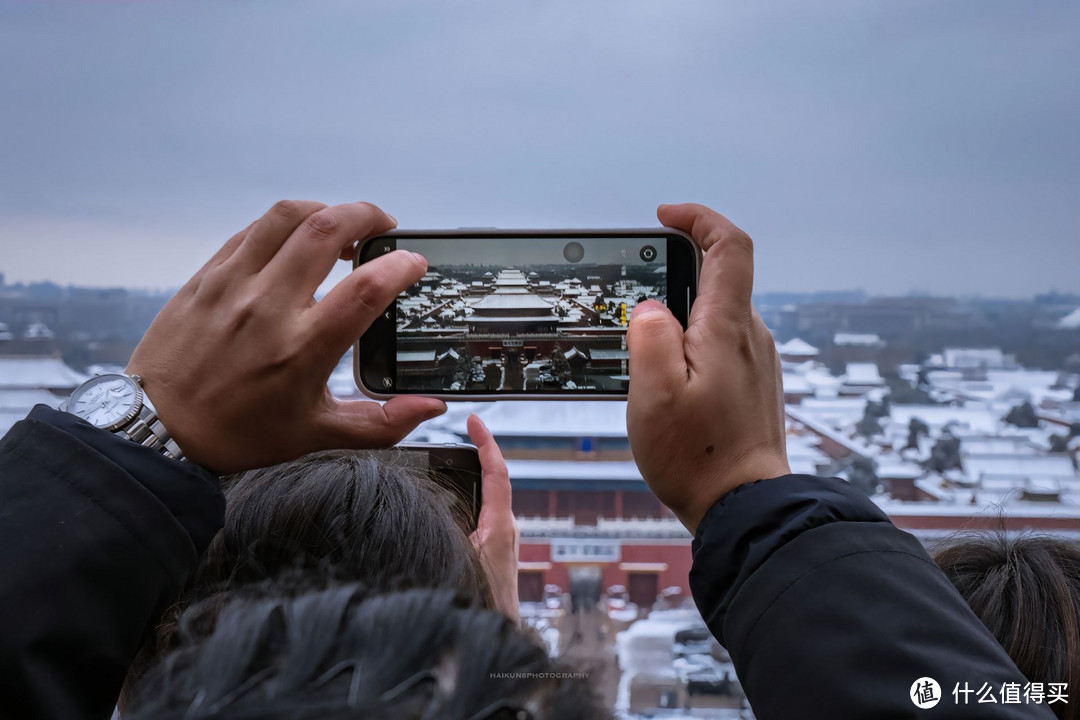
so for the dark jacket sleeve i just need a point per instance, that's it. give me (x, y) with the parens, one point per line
(830, 611)
(97, 536)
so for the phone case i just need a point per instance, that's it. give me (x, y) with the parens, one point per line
(490, 397)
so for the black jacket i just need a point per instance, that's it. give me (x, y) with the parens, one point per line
(97, 536)
(828, 610)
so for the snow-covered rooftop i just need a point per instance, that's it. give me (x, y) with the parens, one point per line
(572, 470)
(539, 418)
(863, 373)
(857, 339)
(1070, 321)
(797, 348)
(512, 301)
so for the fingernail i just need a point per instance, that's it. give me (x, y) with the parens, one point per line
(482, 423)
(392, 218)
(420, 258)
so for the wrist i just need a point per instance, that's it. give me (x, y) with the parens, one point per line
(119, 404)
(752, 469)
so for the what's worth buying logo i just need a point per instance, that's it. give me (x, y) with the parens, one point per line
(925, 693)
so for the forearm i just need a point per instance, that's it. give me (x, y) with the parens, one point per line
(97, 536)
(829, 610)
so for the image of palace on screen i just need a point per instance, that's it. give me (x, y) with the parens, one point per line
(484, 328)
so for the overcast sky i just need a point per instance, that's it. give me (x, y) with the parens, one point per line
(893, 146)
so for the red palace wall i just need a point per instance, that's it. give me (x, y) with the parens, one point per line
(676, 557)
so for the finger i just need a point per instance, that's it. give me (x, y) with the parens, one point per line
(267, 234)
(363, 424)
(495, 486)
(309, 254)
(349, 251)
(704, 224)
(657, 359)
(343, 315)
(727, 271)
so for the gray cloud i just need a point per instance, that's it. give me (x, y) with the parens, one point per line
(890, 146)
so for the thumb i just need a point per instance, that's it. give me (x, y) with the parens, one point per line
(655, 340)
(367, 424)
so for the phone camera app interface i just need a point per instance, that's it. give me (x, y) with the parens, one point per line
(505, 315)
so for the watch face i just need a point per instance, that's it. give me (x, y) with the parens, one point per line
(107, 401)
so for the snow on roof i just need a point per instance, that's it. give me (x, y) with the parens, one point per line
(803, 454)
(956, 503)
(404, 356)
(512, 301)
(540, 418)
(795, 383)
(613, 354)
(572, 470)
(1070, 321)
(998, 445)
(980, 420)
(797, 347)
(1019, 466)
(479, 319)
(858, 339)
(895, 468)
(863, 374)
(808, 419)
(834, 411)
(38, 331)
(35, 371)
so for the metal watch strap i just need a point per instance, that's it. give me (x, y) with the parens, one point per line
(147, 430)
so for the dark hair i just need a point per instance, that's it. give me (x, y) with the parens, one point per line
(341, 652)
(1026, 590)
(336, 516)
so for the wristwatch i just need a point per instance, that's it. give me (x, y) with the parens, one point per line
(118, 404)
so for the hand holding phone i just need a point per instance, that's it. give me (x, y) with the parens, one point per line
(709, 414)
(496, 536)
(236, 363)
(477, 476)
(521, 313)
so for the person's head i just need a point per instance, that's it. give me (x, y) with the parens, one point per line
(335, 516)
(1026, 590)
(360, 515)
(343, 653)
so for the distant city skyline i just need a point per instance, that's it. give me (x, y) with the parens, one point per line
(894, 147)
(839, 294)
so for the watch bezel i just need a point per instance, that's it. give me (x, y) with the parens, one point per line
(128, 416)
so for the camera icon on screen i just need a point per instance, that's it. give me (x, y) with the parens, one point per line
(648, 253)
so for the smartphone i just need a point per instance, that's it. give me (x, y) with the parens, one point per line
(520, 314)
(454, 466)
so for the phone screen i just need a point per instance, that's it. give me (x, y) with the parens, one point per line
(538, 315)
